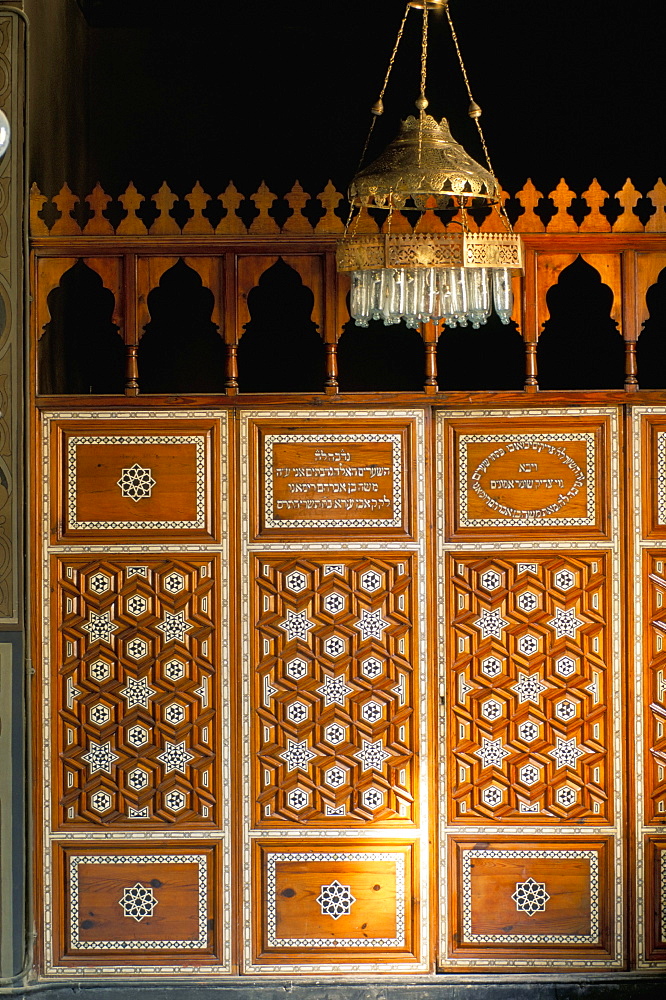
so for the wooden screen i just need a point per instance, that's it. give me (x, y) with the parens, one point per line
(350, 684)
(312, 681)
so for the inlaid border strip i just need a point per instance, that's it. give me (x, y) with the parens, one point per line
(133, 944)
(389, 522)
(469, 854)
(196, 439)
(272, 859)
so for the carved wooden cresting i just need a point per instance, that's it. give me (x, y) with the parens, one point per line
(327, 683)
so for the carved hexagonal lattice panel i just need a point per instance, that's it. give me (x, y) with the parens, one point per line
(529, 688)
(654, 638)
(334, 694)
(137, 691)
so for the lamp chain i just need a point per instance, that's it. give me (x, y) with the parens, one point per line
(422, 102)
(378, 107)
(475, 113)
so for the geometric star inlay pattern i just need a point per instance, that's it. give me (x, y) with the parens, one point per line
(491, 623)
(297, 625)
(565, 623)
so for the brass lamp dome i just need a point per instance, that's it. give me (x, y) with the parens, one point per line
(423, 162)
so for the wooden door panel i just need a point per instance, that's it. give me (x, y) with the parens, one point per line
(336, 901)
(529, 653)
(138, 479)
(139, 904)
(135, 653)
(334, 642)
(525, 901)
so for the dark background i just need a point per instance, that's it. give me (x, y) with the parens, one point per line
(212, 90)
(203, 90)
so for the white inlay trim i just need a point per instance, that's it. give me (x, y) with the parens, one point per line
(469, 937)
(139, 944)
(73, 524)
(273, 859)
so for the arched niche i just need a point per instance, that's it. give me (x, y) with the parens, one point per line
(580, 346)
(181, 350)
(651, 346)
(80, 351)
(280, 349)
(380, 358)
(490, 358)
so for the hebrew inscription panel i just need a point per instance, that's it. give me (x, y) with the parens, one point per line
(334, 647)
(323, 477)
(135, 653)
(529, 685)
(528, 478)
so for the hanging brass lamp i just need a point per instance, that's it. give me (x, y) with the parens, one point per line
(456, 275)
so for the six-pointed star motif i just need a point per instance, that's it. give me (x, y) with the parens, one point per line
(529, 687)
(373, 755)
(174, 626)
(565, 623)
(566, 752)
(297, 755)
(100, 757)
(175, 757)
(371, 625)
(491, 752)
(296, 625)
(334, 690)
(100, 627)
(490, 623)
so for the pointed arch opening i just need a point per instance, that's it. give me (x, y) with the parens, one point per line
(580, 346)
(490, 358)
(181, 349)
(380, 358)
(81, 351)
(281, 349)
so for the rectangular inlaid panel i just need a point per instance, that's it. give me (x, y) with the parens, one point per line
(655, 899)
(336, 902)
(530, 899)
(135, 652)
(653, 475)
(324, 476)
(335, 675)
(654, 709)
(527, 477)
(137, 904)
(136, 479)
(529, 687)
